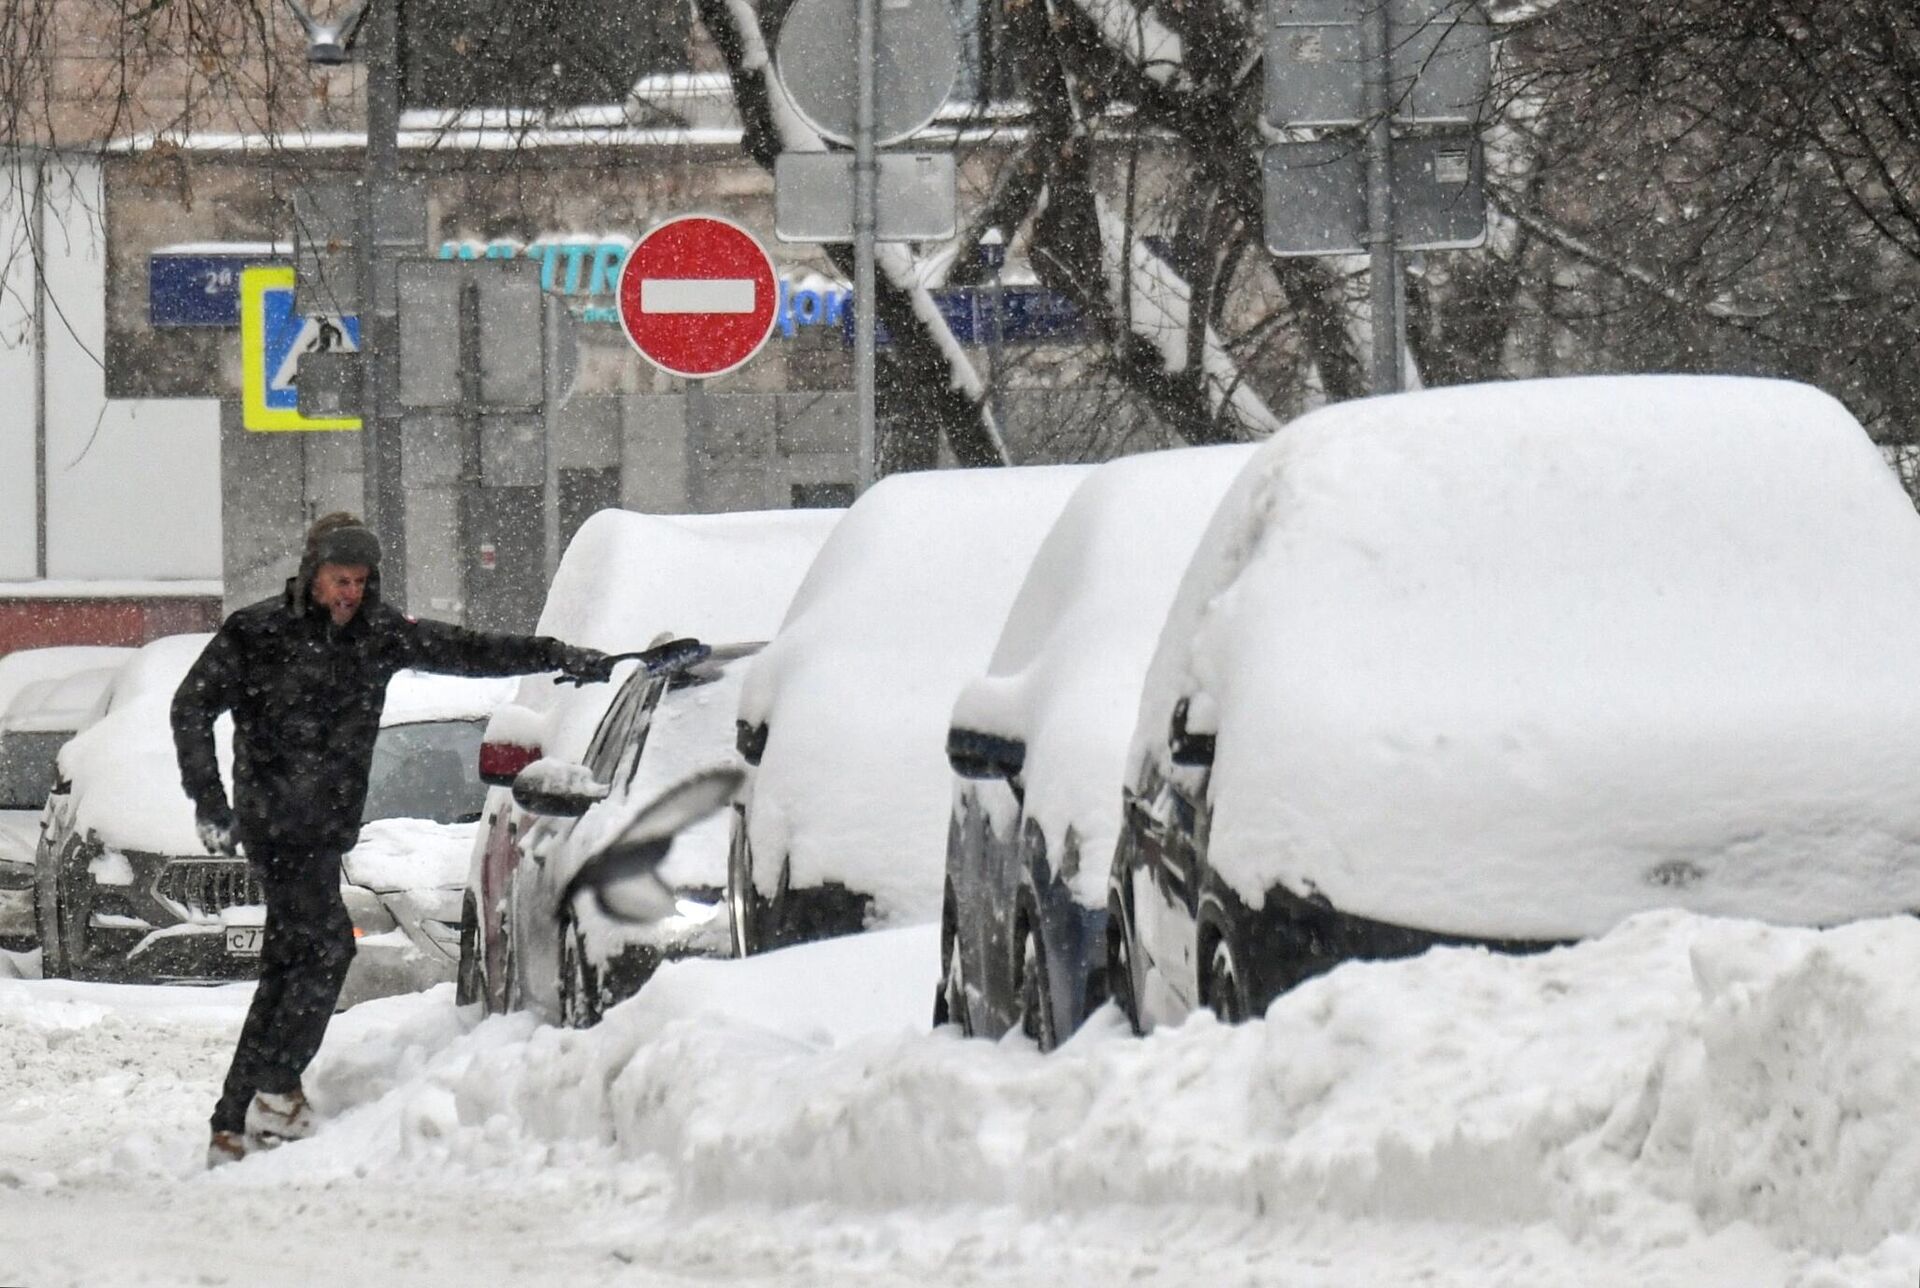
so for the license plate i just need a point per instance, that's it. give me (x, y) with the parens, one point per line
(244, 941)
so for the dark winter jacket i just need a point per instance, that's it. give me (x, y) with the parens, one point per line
(306, 697)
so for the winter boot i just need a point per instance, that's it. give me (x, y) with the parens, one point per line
(225, 1147)
(277, 1117)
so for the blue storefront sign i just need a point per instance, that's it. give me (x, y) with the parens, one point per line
(200, 286)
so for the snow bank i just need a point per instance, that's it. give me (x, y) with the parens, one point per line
(899, 610)
(1651, 1088)
(1525, 659)
(1683, 1101)
(1065, 675)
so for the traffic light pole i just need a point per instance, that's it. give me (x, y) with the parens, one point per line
(379, 301)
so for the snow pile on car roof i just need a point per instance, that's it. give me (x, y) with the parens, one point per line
(57, 705)
(417, 696)
(126, 774)
(1065, 675)
(1520, 660)
(627, 578)
(899, 610)
(33, 665)
(126, 779)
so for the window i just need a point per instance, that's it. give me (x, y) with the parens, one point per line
(536, 53)
(822, 496)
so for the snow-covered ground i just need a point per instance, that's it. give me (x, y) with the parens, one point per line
(1687, 1102)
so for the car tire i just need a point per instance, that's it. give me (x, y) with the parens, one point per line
(1226, 988)
(470, 979)
(579, 978)
(1036, 1007)
(950, 995)
(1120, 973)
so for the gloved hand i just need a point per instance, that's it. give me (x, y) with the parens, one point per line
(216, 834)
(585, 665)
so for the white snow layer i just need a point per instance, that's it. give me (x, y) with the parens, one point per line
(125, 775)
(900, 609)
(1524, 659)
(395, 854)
(627, 578)
(1065, 675)
(1682, 1102)
(23, 667)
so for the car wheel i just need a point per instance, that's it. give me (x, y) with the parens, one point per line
(1036, 1010)
(1120, 976)
(579, 979)
(1226, 993)
(470, 982)
(950, 998)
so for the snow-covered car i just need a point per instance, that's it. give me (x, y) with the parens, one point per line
(844, 718)
(626, 581)
(124, 890)
(660, 730)
(35, 722)
(1507, 664)
(1039, 746)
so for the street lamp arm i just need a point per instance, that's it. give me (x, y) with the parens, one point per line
(328, 42)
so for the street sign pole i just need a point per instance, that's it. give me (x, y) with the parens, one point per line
(1383, 260)
(379, 307)
(863, 242)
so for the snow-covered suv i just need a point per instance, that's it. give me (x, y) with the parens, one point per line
(1507, 664)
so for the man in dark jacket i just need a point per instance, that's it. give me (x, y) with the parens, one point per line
(305, 676)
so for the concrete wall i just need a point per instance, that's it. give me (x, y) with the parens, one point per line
(132, 487)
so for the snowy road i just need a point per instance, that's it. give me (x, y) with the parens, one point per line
(1686, 1102)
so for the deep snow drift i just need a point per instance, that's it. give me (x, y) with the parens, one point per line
(1685, 1101)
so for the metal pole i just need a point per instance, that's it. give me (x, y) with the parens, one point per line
(40, 364)
(379, 303)
(993, 356)
(863, 240)
(1383, 262)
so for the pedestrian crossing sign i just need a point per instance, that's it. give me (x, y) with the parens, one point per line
(272, 338)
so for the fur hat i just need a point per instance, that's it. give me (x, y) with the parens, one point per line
(340, 538)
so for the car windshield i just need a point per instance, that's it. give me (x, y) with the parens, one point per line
(27, 766)
(428, 770)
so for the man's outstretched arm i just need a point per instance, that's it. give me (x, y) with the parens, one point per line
(455, 650)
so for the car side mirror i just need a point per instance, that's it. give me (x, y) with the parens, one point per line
(1186, 746)
(622, 876)
(985, 755)
(558, 788)
(751, 740)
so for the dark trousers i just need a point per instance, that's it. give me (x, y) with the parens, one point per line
(303, 963)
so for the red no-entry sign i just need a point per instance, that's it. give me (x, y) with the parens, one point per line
(698, 295)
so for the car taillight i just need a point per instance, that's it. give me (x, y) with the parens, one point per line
(501, 762)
